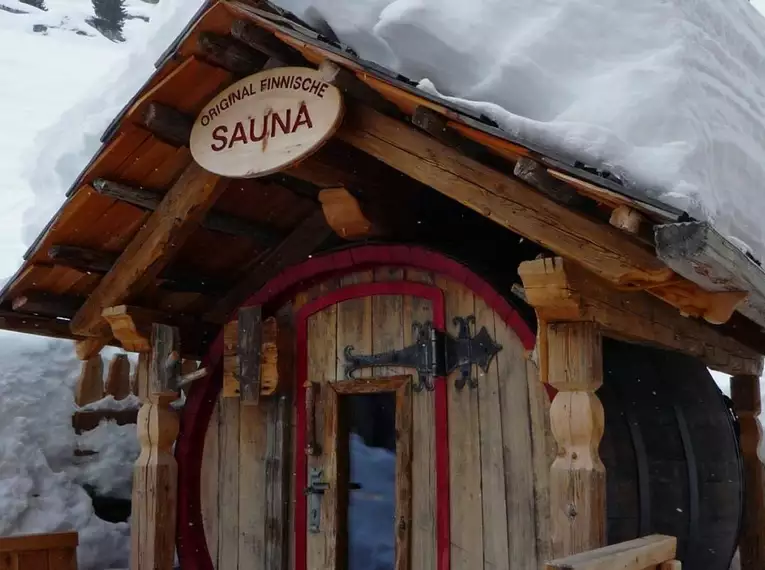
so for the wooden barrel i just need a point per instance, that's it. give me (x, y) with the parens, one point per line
(671, 454)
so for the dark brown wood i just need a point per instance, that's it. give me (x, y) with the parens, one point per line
(372, 385)
(745, 393)
(278, 451)
(249, 344)
(265, 43)
(334, 509)
(296, 247)
(82, 258)
(165, 367)
(48, 304)
(37, 325)
(312, 447)
(403, 522)
(226, 52)
(536, 175)
(88, 420)
(167, 124)
(215, 221)
(118, 377)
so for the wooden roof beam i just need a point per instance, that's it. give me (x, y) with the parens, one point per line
(230, 54)
(560, 290)
(214, 221)
(152, 248)
(47, 304)
(604, 250)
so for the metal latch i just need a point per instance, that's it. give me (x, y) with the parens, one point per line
(315, 490)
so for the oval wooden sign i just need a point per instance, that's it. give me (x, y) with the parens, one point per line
(265, 122)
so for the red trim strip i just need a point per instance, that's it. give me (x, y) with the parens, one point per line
(191, 541)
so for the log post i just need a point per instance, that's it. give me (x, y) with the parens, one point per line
(745, 392)
(155, 476)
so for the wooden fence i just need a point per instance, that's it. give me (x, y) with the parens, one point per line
(54, 551)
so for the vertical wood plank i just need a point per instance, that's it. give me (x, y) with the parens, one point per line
(277, 483)
(334, 508)
(118, 377)
(745, 392)
(465, 505)
(491, 422)
(423, 443)
(228, 493)
(253, 430)
(60, 559)
(165, 366)
(518, 470)
(209, 484)
(403, 522)
(140, 380)
(354, 324)
(230, 360)
(249, 343)
(387, 320)
(544, 451)
(90, 384)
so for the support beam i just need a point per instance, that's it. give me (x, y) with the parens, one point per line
(561, 290)
(627, 219)
(577, 476)
(234, 56)
(701, 254)
(536, 175)
(745, 392)
(152, 248)
(296, 247)
(48, 304)
(265, 43)
(167, 124)
(602, 249)
(214, 221)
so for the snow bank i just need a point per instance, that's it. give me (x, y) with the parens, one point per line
(67, 146)
(668, 94)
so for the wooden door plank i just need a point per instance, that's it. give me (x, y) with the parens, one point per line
(517, 445)
(253, 429)
(387, 320)
(492, 419)
(209, 484)
(423, 442)
(249, 342)
(228, 479)
(334, 502)
(354, 324)
(276, 466)
(466, 518)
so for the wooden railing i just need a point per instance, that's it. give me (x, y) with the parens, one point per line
(654, 552)
(55, 551)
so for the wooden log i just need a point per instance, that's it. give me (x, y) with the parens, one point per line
(167, 124)
(234, 56)
(36, 325)
(745, 392)
(600, 248)
(88, 420)
(536, 175)
(249, 341)
(701, 254)
(139, 383)
(118, 377)
(639, 554)
(214, 221)
(155, 480)
(264, 42)
(562, 290)
(296, 247)
(577, 476)
(343, 213)
(627, 219)
(90, 384)
(165, 367)
(48, 304)
(152, 248)
(134, 333)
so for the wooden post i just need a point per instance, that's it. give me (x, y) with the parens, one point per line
(90, 385)
(745, 392)
(577, 476)
(118, 377)
(155, 477)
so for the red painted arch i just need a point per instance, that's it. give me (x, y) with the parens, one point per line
(195, 418)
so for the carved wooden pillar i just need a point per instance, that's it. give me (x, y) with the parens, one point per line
(569, 348)
(745, 392)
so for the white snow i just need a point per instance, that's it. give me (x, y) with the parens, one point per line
(669, 94)
(132, 402)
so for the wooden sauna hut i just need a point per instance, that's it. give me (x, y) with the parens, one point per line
(411, 329)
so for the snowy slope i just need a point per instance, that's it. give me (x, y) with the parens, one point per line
(668, 94)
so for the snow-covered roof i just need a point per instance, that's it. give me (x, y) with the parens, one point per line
(477, 130)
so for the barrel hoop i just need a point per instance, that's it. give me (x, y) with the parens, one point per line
(641, 461)
(693, 476)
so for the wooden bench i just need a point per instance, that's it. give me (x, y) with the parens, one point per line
(53, 551)
(654, 552)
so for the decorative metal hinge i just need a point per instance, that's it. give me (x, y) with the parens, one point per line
(435, 353)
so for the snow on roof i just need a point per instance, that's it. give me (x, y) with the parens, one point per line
(668, 95)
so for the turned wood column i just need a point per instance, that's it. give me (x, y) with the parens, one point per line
(577, 476)
(745, 392)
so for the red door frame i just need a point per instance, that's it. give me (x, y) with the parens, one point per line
(195, 418)
(421, 290)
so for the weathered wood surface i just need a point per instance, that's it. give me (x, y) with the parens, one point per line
(48, 304)
(577, 476)
(536, 175)
(344, 215)
(230, 360)
(253, 429)
(277, 482)
(87, 420)
(334, 507)
(165, 367)
(561, 290)
(249, 344)
(745, 392)
(152, 248)
(230, 54)
(52, 551)
(228, 485)
(118, 377)
(90, 384)
(167, 124)
(701, 254)
(211, 461)
(639, 554)
(403, 520)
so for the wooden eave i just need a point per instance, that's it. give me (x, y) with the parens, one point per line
(458, 152)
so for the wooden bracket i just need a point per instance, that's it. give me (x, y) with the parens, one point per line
(344, 215)
(560, 290)
(131, 326)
